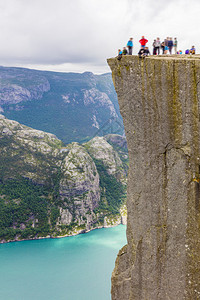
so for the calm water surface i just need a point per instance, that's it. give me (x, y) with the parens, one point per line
(71, 268)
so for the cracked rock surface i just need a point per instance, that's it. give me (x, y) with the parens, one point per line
(159, 100)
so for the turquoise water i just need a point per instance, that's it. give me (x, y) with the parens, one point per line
(71, 268)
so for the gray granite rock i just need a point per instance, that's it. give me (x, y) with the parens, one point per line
(159, 100)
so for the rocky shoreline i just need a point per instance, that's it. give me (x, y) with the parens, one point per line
(123, 222)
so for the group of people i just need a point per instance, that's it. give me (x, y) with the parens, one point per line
(166, 46)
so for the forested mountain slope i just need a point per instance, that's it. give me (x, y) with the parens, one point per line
(48, 188)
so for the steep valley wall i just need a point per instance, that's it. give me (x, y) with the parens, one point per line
(159, 100)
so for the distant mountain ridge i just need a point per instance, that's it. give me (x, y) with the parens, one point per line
(72, 106)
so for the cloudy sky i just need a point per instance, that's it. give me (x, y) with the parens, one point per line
(78, 35)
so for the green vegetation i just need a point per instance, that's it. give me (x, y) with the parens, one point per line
(113, 192)
(39, 193)
(25, 209)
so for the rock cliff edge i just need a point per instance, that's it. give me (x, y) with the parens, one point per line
(159, 100)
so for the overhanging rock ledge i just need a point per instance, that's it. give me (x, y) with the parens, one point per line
(159, 100)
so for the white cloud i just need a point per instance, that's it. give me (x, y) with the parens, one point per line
(60, 34)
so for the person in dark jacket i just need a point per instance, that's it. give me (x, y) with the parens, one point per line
(124, 52)
(119, 54)
(130, 46)
(144, 52)
(163, 47)
(141, 52)
(170, 45)
(166, 41)
(154, 47)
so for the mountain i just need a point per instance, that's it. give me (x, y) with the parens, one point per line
(48, 188)
(73, 106)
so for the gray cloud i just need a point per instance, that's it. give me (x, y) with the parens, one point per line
(84, 33)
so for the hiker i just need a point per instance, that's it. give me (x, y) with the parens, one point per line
(157, 45)
(192, 50)
(166, 41)
(124, 52)
(119, 54)
(146, 51)
(170, 45)
(175, 45)
(163, 47)
(187, 51)
(143, 42)
(130, 46)
(166, 45)
(154, 47)
(143, 52)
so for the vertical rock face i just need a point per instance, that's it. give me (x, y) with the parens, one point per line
(159, 99)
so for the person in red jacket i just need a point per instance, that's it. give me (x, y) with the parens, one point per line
(143, 42)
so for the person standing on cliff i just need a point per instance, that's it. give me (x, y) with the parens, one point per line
(166, 45)
(170, 45)
(175, 45)
(157, 46)
(143, 42)
(163, 47)
(154, 47)
(130, 46)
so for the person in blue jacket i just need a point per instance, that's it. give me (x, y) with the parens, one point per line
(119, 54)
(130, 46)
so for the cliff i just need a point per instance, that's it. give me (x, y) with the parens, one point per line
(51, 189)
(159, 100)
